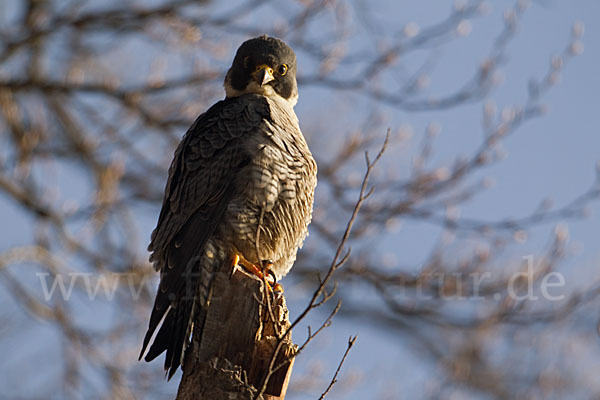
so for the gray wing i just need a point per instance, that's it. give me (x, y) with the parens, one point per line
(198, 190)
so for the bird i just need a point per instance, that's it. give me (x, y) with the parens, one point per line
(240, 190)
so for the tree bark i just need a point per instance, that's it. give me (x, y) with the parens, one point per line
(230, 353)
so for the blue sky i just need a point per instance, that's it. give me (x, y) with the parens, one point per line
(553, 156)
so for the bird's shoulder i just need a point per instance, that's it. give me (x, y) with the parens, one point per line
(229, 119)
(209, 154)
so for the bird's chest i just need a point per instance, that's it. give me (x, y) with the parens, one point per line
(275, 192)
(276, 173)
(278, 191)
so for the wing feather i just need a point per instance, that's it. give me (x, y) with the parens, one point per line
(199, 188)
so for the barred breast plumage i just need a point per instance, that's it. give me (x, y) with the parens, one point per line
(279, 180)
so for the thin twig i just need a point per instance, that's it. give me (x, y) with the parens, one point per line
(351, 341)
(336, 263)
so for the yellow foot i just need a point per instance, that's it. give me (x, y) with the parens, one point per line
(277, 288)
(260, 272)
(247, 265)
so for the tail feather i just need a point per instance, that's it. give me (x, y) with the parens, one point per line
(155, 318)
(173, 336)
(161, 343)
(178, 339)
(181, 277)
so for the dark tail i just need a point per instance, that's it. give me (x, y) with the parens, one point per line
(172, 337)
(184, 285)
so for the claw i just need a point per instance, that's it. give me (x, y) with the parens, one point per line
(248, 266)
(267, 266)
(268, 270)
(272, 284)
(277, 288)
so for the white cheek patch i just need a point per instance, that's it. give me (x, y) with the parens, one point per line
(255, 88)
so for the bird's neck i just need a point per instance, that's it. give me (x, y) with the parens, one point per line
(266, 91)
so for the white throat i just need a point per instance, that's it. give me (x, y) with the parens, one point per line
(255, 88)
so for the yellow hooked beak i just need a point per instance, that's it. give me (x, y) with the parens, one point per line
(263, 75)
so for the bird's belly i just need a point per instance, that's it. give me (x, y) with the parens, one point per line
(274, 199)
(281, 232)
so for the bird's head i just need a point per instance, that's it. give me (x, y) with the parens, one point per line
(266, 66)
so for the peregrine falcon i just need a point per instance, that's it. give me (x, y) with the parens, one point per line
(242, 171)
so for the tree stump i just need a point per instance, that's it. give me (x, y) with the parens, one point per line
(230, 354)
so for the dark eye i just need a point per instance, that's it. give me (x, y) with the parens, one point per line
(246, 61)
(283, 69)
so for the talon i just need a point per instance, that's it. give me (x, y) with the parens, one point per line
(234, 264)
(272, 275)
(261, 273)
(267, 270)
(247, 265)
